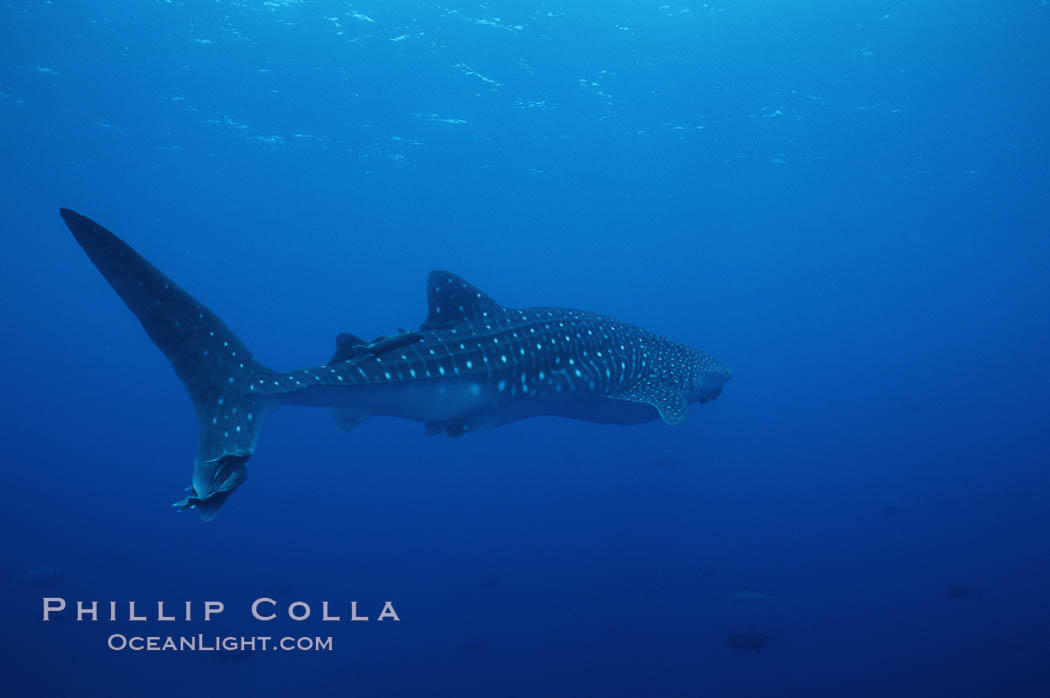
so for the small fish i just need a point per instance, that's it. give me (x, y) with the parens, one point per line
(748, 598)
(750, 640)
(961, 591)
(42, 577)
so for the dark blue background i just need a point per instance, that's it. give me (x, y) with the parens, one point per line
(846, 202)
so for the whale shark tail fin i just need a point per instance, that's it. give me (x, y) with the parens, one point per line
(231, 392)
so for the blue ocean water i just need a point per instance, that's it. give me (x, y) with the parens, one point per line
(846, 202)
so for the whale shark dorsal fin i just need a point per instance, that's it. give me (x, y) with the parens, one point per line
(452, 301)
(668, 400)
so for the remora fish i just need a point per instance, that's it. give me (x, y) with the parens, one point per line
(473, 364)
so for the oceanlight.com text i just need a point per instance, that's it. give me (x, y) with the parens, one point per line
(215, 643)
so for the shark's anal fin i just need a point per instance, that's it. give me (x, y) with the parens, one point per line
(668, 400)
(451, 429)
(346, 418)
(452, 301)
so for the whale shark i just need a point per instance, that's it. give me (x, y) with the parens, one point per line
(473, 364)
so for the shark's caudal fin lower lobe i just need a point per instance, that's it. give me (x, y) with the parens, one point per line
(226, 385)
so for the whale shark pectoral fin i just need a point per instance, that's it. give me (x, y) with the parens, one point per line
(668, 400)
